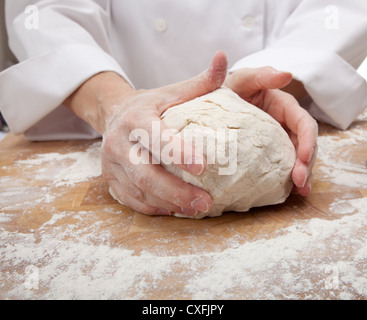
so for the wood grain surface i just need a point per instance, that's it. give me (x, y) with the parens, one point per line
(72, 240)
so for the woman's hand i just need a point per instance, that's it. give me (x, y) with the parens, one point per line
(260, 87)
(117, 111)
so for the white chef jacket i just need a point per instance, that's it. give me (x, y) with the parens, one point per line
(155, 43)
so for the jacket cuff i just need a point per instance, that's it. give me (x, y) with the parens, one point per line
(338, 93)
(36, 87)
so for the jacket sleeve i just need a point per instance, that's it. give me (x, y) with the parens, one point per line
(62, 45)
(322, 45)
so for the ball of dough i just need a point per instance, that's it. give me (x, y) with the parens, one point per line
(251, 156)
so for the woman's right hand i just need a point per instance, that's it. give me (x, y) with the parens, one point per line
(149, 188)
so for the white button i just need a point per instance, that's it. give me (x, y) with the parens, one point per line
(248, 22)
(161, 25)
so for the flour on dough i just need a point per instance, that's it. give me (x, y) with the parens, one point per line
(264, 159)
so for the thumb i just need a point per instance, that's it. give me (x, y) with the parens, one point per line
(171, 95)
(206, 82)
(247, 82)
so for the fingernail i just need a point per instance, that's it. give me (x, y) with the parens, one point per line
(189, 212)
(312, 154)
(200, 205)
(304, 181)
(279, 72)
(196, 166)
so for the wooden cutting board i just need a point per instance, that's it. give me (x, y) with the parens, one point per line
(63, 236)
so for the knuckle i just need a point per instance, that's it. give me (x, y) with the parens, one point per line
(114, 149)
(110, 150)
(315, 126)
(121, 196)
(106, 176)
(127, 120)
(107, 145)
(138, 194)
(185, 194)
(311, 124)
(144, 182)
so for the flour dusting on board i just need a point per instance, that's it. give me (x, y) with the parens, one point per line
(81, 166)
(339, 170)
(279, 267)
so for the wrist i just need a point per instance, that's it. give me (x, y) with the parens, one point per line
(96, 99)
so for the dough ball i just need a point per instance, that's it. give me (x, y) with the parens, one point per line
(253, 155)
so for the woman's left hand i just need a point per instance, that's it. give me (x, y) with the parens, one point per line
(261, 87)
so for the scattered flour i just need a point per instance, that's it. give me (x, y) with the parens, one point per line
(71, 168)
(338, 170)
(284, 266)
(78, 166)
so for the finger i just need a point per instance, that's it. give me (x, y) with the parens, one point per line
(128, 201)
(248, 82)
(140, 137)
(204, 83)
(165, 206)
(127, 188)
(303, 132)
(285, 109)
(155, 180)
(177, 195)
(302, 172)
(165, 145)
(306, 189)
(117, 160)
(150, 206)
